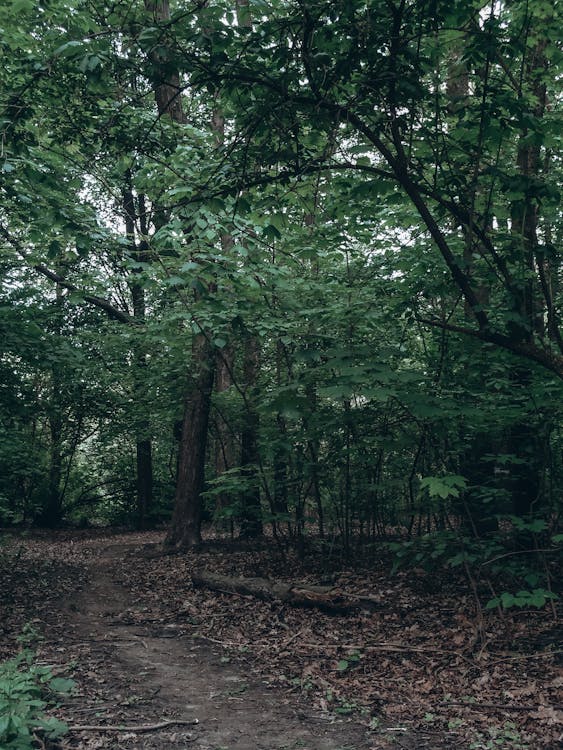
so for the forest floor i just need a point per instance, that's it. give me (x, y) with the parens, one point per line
(145, 648)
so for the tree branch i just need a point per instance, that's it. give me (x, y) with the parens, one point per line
(104, 304)
(548, 359)
(133, 728)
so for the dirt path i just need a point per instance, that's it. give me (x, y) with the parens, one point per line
(139, 674)
(144, 646)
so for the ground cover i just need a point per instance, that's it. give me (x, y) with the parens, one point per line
(147, 649)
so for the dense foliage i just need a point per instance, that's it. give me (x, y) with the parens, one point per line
(344, 215)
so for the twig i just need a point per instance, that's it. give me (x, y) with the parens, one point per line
(133, 728)
(501, 706)
(294, 637)
(541, 655)
(518, 552)
(393, 647)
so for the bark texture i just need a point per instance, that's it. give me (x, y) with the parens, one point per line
(327, 598)
(185, 528)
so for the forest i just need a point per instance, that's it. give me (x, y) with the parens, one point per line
(281, 373)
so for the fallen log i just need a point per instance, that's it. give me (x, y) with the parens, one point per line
(328, 598)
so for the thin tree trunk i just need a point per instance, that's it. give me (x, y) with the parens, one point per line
(224, 448)
(51, 513)
(477, 515)
(143, 444)
(225, 451)
(251, 515)
(523, 439)
(166, 80)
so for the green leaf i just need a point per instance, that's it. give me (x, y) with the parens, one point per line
(22, 6)
(55, 728)
(493, 603)
(69, 49)
(4, 720)
(190, 266)
(62, 685)
(445, 486)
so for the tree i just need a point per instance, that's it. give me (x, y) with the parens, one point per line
(376, 344)
(373, 74)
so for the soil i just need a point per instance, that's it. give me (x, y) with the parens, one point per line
(177, 676)
(151, 655)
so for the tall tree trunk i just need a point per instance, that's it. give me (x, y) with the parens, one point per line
(185, 528)
(280, 451)
(143, 460)
(225, 452)
(166, 80)
(251, 513)
(224, 449)
(524, 440)
(51, 513)
(478, 516)
(143, 444)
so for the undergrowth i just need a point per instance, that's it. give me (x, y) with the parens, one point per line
(27, 690)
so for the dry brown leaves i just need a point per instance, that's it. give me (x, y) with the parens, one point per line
(420, 663)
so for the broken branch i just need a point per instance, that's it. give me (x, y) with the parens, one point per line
(135, 728)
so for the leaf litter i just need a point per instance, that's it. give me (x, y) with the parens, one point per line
(123, 620)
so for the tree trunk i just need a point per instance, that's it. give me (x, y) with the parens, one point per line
(143, 453)
(523, 439)
(479, 516)
(251, 515)
(224, 448)
(51, 514)
(185, 528)
(144, 481)
(165, 79)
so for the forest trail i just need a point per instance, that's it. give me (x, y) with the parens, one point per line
(152, 674)
(146, 648)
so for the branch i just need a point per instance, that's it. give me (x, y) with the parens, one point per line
(103, 304)
(138, 728)
(502, 706)
(550, 361)
(397, 163)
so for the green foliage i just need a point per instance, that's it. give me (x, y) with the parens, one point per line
(493, 560)
(443, 487)
(350, 661)
(506, 736)
(536, 598)
(26, 689)
(384, 180)
(431, 551)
